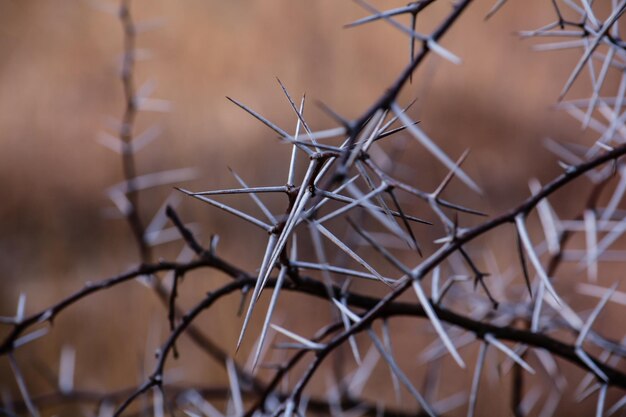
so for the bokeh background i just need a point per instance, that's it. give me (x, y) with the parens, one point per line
(60, 89)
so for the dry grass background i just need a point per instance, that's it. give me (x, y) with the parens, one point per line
(59, 83)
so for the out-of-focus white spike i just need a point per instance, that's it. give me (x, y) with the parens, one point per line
(291, 173)
(548, 218)
(617, 406)
(557, 46)
(304, 341)
(617, 196)
(598, 291)
(482, 354)
(551, 404)
(585, 330)
(156, 179)
(29, 337)
(111, 142)
(590, 14)
(509, 352)
(437, 349)
(530, 251)
(235, 390)
(550, 366)
(601, 400)
(148, 25)
(21, 384)
(66, 369)
(352, 316)
(289, 408)
(118, 197)
(352, 340)
(363, 373)
(392, 226)
(157, 402)
(530, 400)
(389, 348)
(206, 408)
(430, 312)
(21, 307)
(153, 105)
(591, 238)
(160, 218)
(401, 375)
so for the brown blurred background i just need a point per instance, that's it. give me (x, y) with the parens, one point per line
(59, 86)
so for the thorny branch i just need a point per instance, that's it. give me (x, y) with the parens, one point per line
(376, 309)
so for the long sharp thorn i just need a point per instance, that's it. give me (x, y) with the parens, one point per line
(21, 383)
(362, 201)
(547, 217)
(294, 151)
(235, 390)
(494, 9)
(421, 137)
(619, 404)
(271, 243)
(370, 240)
(601, 400)
(269, 124)
(345, 310)
(392, 226)
(292, 221)
(507, 351)
(591, 239)
(482, 354)
(523, 234)
(344, 199)
(254, 197)
(229, 209)
(349, 251)
(247, 190)
(450, 175)
(430, 312)
(260, 118)
(405, 221)
(412, 44)
(336, 270)
(295, 109)
(594, 314)
(351, 340)
(387, 13)
(401, 375)
(270, 311)
(389, 348)
(304, 341)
